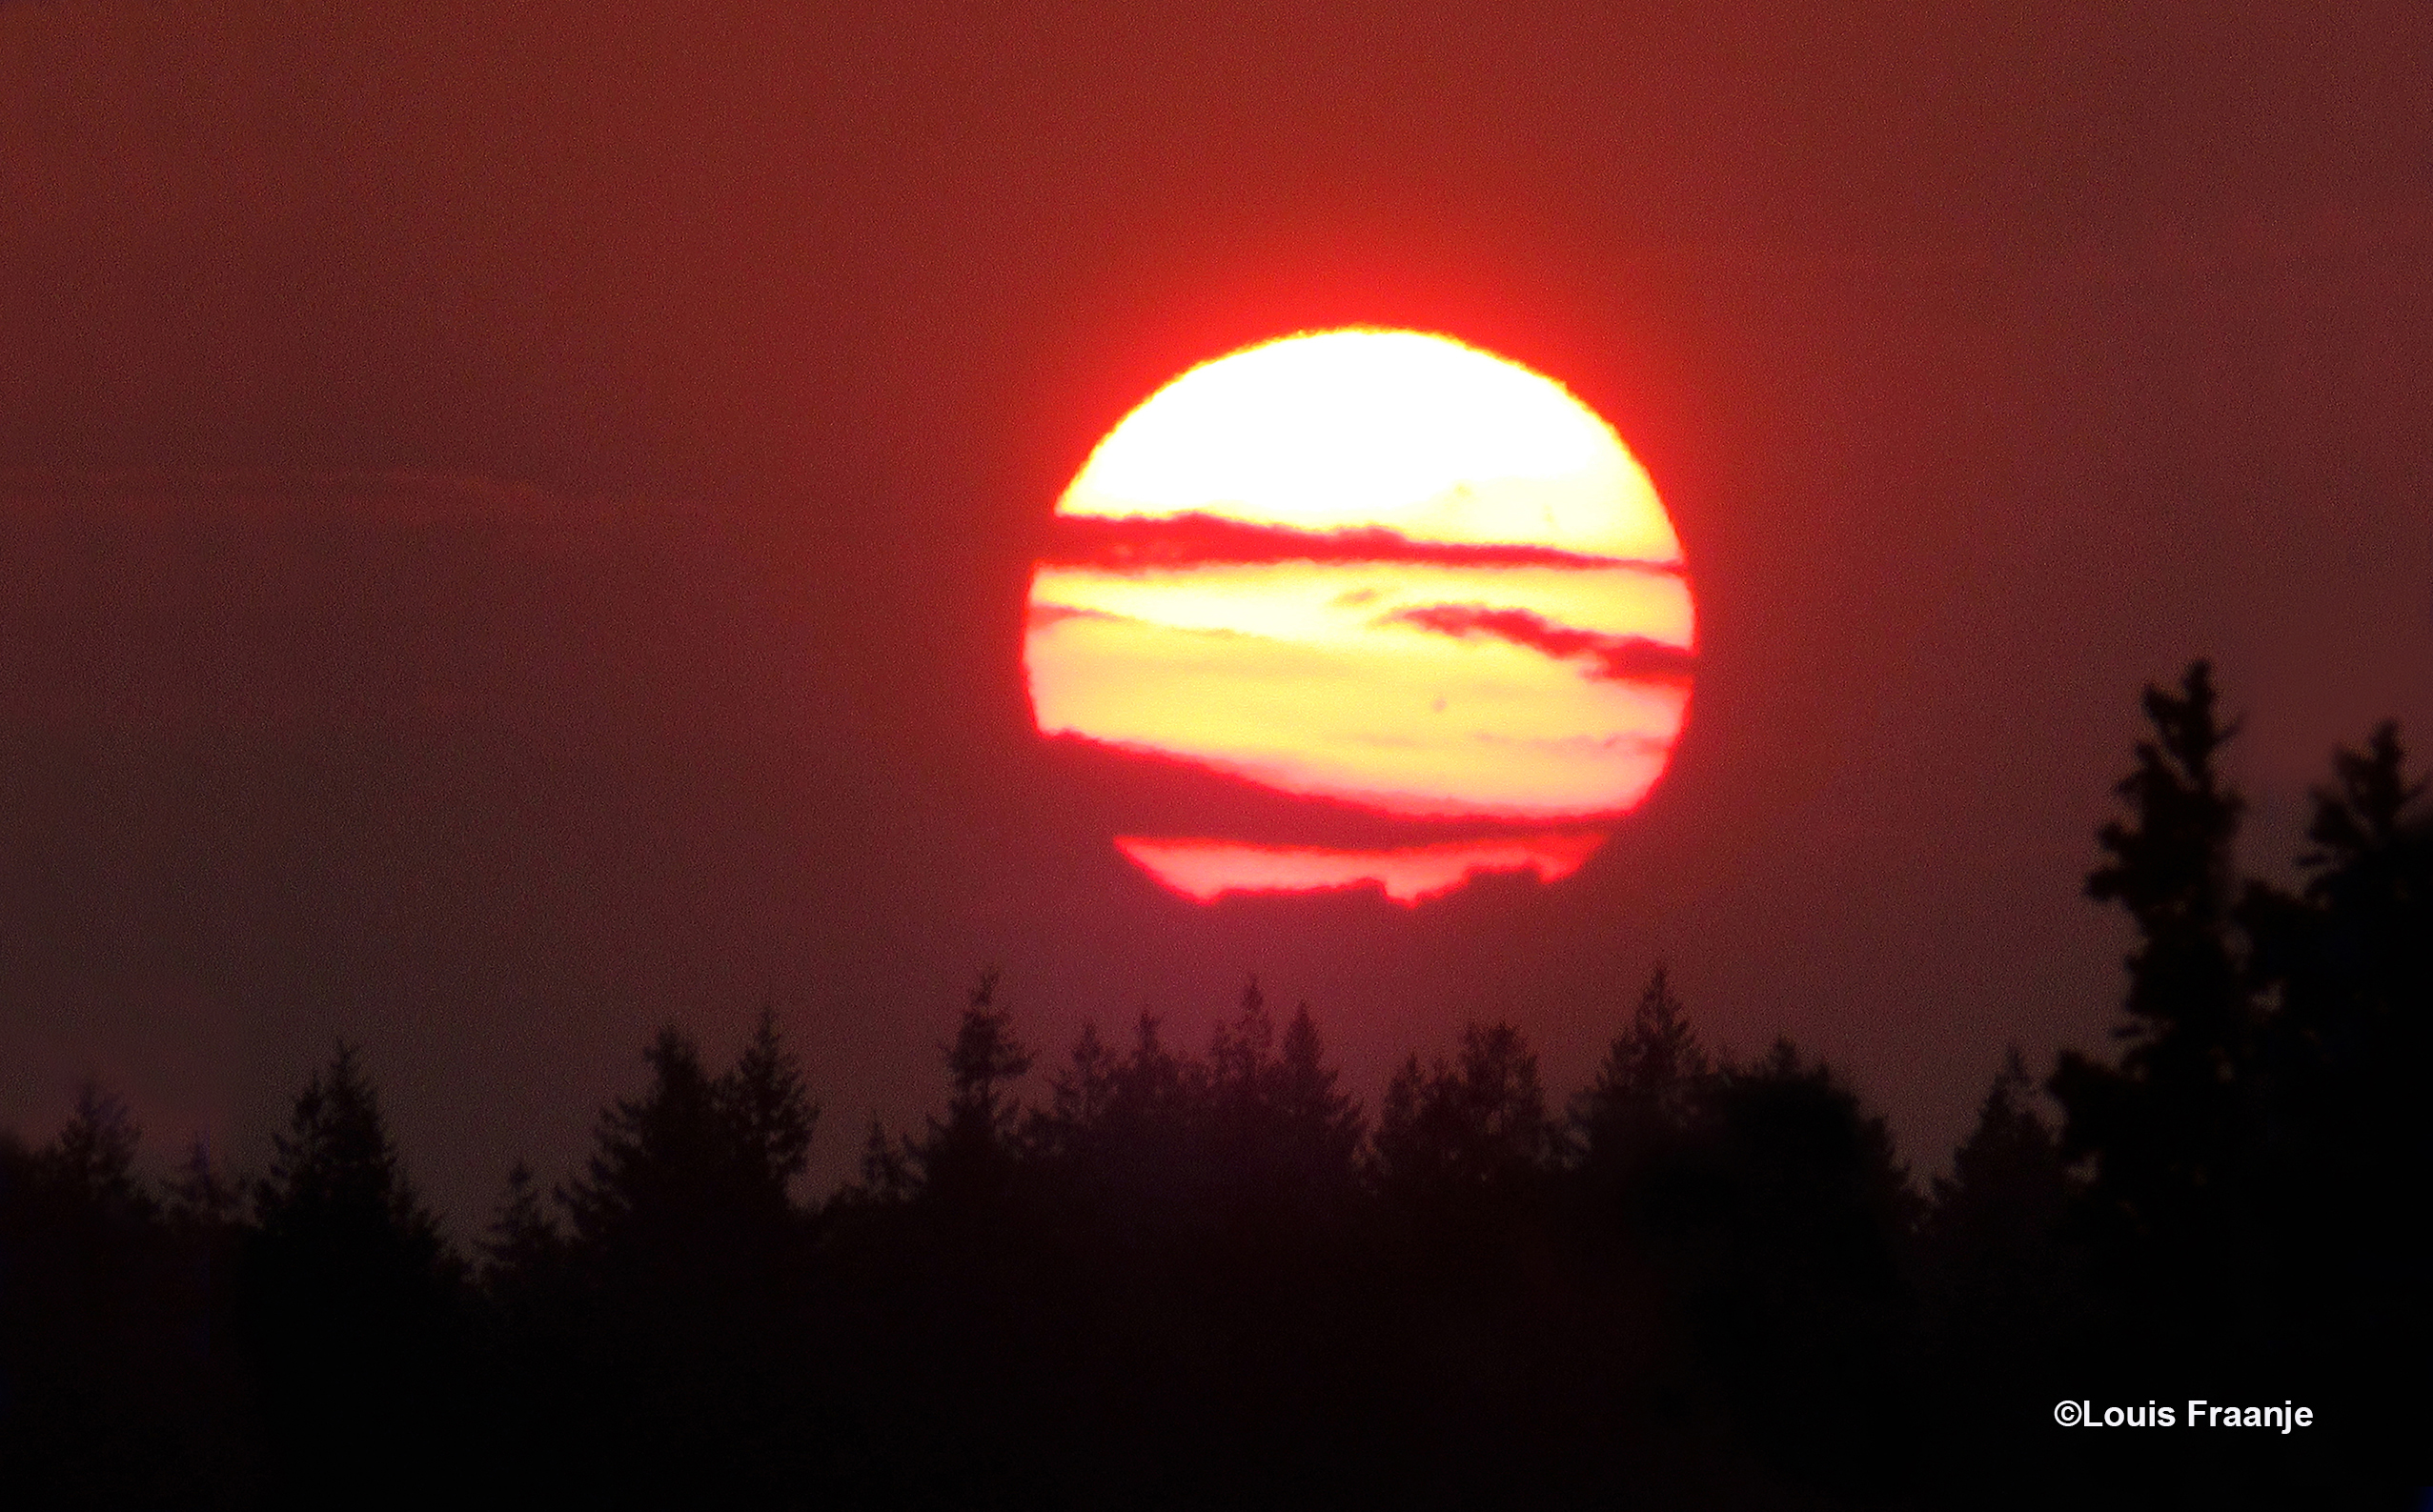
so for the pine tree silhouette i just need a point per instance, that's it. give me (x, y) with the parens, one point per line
(773, 1114)
(661, 1163)
(352, 1304)
(685, 1265)
(1646, 1087)
(1994, 1221)
(2003, 1309)
(1476, 1130)
(1320, 1128)
(968, 1154)
(524, 1250)
(2174, 1135)
(886, 1170)
(2163, 1126)
(1782, 1222)
(201, 1198)
(118, 1386)
(2346, 1157)
(93, 1157)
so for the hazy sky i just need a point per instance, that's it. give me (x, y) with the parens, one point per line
(515, 519)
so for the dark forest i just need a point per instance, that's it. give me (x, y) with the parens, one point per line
(1213, 1277)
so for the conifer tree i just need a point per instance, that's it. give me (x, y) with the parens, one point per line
(1781, 1223)
(772, 1113)
(1148, 1155)
(663, 1178)
(2173, 1132)
(1155, 1090)
(202, 1199)
(92, 1159)
(1645, 1089)
(698, 1164)
(969, 1154)
(1454, 1133)
(524, 1247)
(1239, 1092)
(1993, 1231)
(348, 1298)
(2347, 1153)
(886, 1170)
(335, 1183)
(1322, 1125)
(2351, 955)
(1242, 1053)
(1079, 1098)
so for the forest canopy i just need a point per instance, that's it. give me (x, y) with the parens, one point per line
(1215, 1276)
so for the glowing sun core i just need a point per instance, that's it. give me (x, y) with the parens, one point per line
(1378, 567)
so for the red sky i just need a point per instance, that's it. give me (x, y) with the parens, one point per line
(516, 519)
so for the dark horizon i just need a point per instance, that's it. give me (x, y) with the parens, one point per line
(1702, 1279)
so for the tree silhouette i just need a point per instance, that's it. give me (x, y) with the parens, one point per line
(683, 1273)
(1780, 1223)
(1206, 1280)
(349, 1298)
(1153, 1107)
(2171, 1131)
(1080, 1099)
(1319, 1127)
(1277, 1131)
(336, 1171)
(773, 1114)
(1476, 1130)
(1998, 1276)
(659, 1162)
(524, 1251)
(2256, 1164)
(689, 1184)
(1241, 1080)
(2347, 1154)
(201, 1197)
(1645, 1089)
(93, 1157)
(2349, 956)
(1994, 1226)
(968, 1154)
(2177, 1137)
(886, 1170)
(110, 1391)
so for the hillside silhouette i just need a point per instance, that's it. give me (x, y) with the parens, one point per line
(1216, 1277)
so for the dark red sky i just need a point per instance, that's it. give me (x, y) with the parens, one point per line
(515, 518)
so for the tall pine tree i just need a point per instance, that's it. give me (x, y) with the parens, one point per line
(2172, 1133)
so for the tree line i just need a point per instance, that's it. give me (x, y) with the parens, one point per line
(1214, 1277)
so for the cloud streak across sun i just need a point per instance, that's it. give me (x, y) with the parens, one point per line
(1373, 567)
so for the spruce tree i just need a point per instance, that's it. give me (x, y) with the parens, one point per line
(93, 1157)
(1647, 1085)
(350, 1303)
(1475, 1128)
(2172, 1134)
(772, 1113)
(968, 1154)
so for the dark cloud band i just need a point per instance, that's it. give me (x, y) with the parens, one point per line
(1134, 544)
(1620, 658)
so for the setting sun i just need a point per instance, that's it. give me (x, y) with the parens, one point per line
(1377, 567)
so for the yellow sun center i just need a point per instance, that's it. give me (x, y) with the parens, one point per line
(1374, 566)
